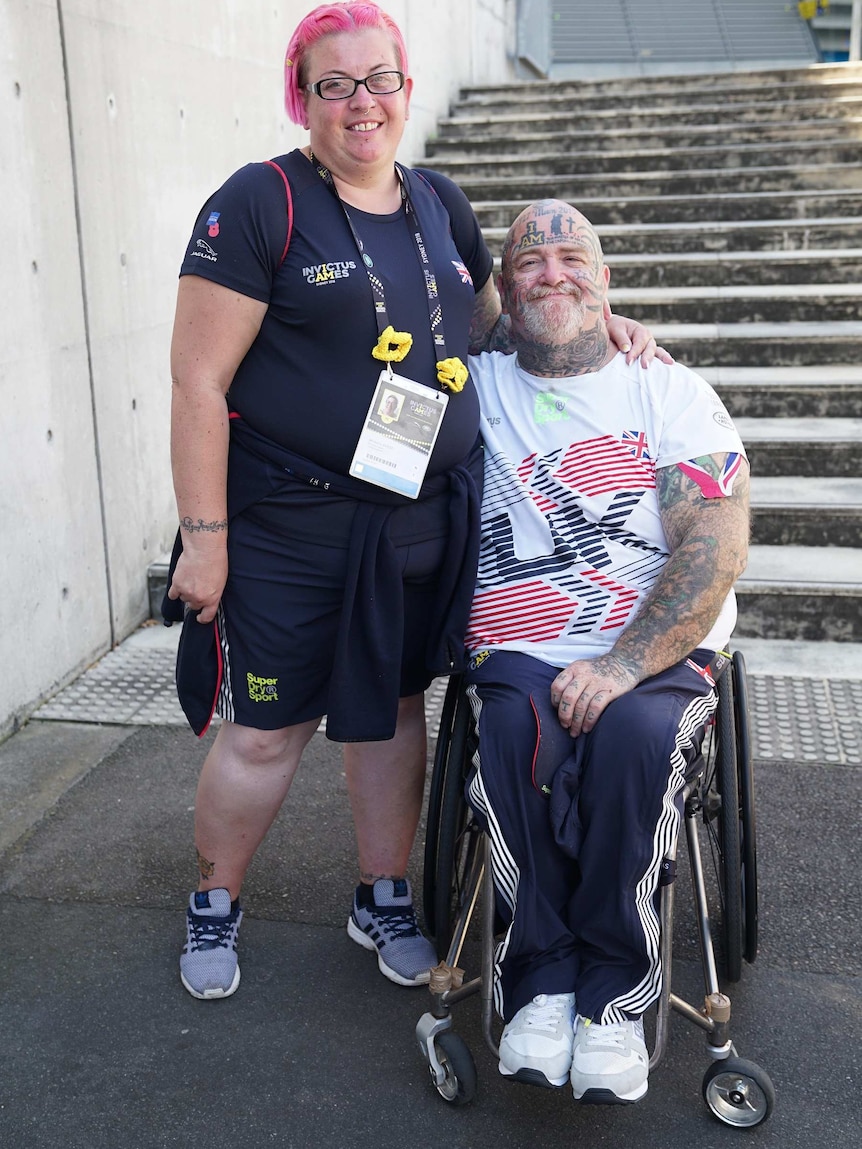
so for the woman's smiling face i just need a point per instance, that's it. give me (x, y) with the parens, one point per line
(363, 130)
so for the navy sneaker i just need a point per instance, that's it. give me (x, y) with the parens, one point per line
(208, 964)
(389, 927)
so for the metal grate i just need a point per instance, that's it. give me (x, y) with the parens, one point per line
(678, 31)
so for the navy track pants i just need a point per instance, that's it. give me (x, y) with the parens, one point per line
(577, 870)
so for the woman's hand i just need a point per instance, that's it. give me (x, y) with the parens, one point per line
(635, 339)
(199, 579)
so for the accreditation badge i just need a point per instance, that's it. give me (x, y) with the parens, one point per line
(399, 434)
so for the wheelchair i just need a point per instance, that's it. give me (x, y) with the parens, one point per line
(719, 821)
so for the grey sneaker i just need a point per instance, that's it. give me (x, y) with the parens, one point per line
(536, 1045)
(609, 1062)
(208, 964)
(389, 927)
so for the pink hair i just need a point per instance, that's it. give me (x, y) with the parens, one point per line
(325, 20)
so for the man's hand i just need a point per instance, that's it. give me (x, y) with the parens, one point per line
(583, 690)
(635, 339)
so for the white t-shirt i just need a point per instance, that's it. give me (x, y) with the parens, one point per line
(572, 540)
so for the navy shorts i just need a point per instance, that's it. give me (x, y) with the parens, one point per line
(281, 609)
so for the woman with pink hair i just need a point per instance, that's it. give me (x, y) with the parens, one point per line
(324, 568)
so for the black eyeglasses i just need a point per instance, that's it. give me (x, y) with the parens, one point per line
(343, 87)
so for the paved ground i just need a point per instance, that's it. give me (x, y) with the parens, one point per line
(101, 1047)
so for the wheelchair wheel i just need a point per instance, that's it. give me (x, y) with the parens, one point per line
(738, 1092)
(459, 1085)
(452, 836)
(435, 798)
(748, 830)
(721, 815)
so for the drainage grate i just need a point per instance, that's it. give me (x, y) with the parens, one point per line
(794, 719)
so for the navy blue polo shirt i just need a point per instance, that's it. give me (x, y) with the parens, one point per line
(307, 381)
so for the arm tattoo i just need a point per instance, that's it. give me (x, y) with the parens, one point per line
(501, 338)
(708, 540)
(189, 525)
(489, 330)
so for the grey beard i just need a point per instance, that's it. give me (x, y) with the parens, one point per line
(554, 345)
(555, 323)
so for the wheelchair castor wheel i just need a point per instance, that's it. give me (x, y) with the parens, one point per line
(459, 1084)
(738, 1092)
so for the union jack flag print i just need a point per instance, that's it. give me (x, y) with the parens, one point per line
(712, 486)
(636, 441)
(466, 277)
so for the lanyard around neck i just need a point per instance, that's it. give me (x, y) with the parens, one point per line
(435, 313)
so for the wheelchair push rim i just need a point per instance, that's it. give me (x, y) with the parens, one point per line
(452, 836)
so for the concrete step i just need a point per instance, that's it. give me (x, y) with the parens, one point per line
(733, 269)
(507, 137)
(619, 207)
(575, 98)
(762, 344)
(810, 447)
(818, 76)
(801, 594)
(775, 303)
(810, 512)
(788, 392)
(782, 658)
(737, 268)
(702, 237)
(575, 187)
(729, 153)
(642, 117)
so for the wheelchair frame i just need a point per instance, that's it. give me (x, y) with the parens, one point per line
(719, 796)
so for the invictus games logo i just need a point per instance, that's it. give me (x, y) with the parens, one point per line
(549, 408)
(321, 274)
(262, 689)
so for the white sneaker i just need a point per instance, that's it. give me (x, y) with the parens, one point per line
(536, 1046)
(609, 1062)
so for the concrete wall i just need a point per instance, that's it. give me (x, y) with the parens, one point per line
(117, 119)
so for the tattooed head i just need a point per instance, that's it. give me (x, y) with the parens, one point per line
(553, 286)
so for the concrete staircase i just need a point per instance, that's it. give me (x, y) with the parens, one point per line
(730, 210)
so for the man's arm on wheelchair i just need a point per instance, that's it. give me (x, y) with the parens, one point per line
(708, 539)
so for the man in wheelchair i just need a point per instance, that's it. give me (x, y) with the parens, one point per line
(614, 525)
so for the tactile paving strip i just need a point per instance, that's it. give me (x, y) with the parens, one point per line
(806, 719)
(793, 719)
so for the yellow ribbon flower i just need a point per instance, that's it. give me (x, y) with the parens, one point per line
(392, 345)
(452, 374)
